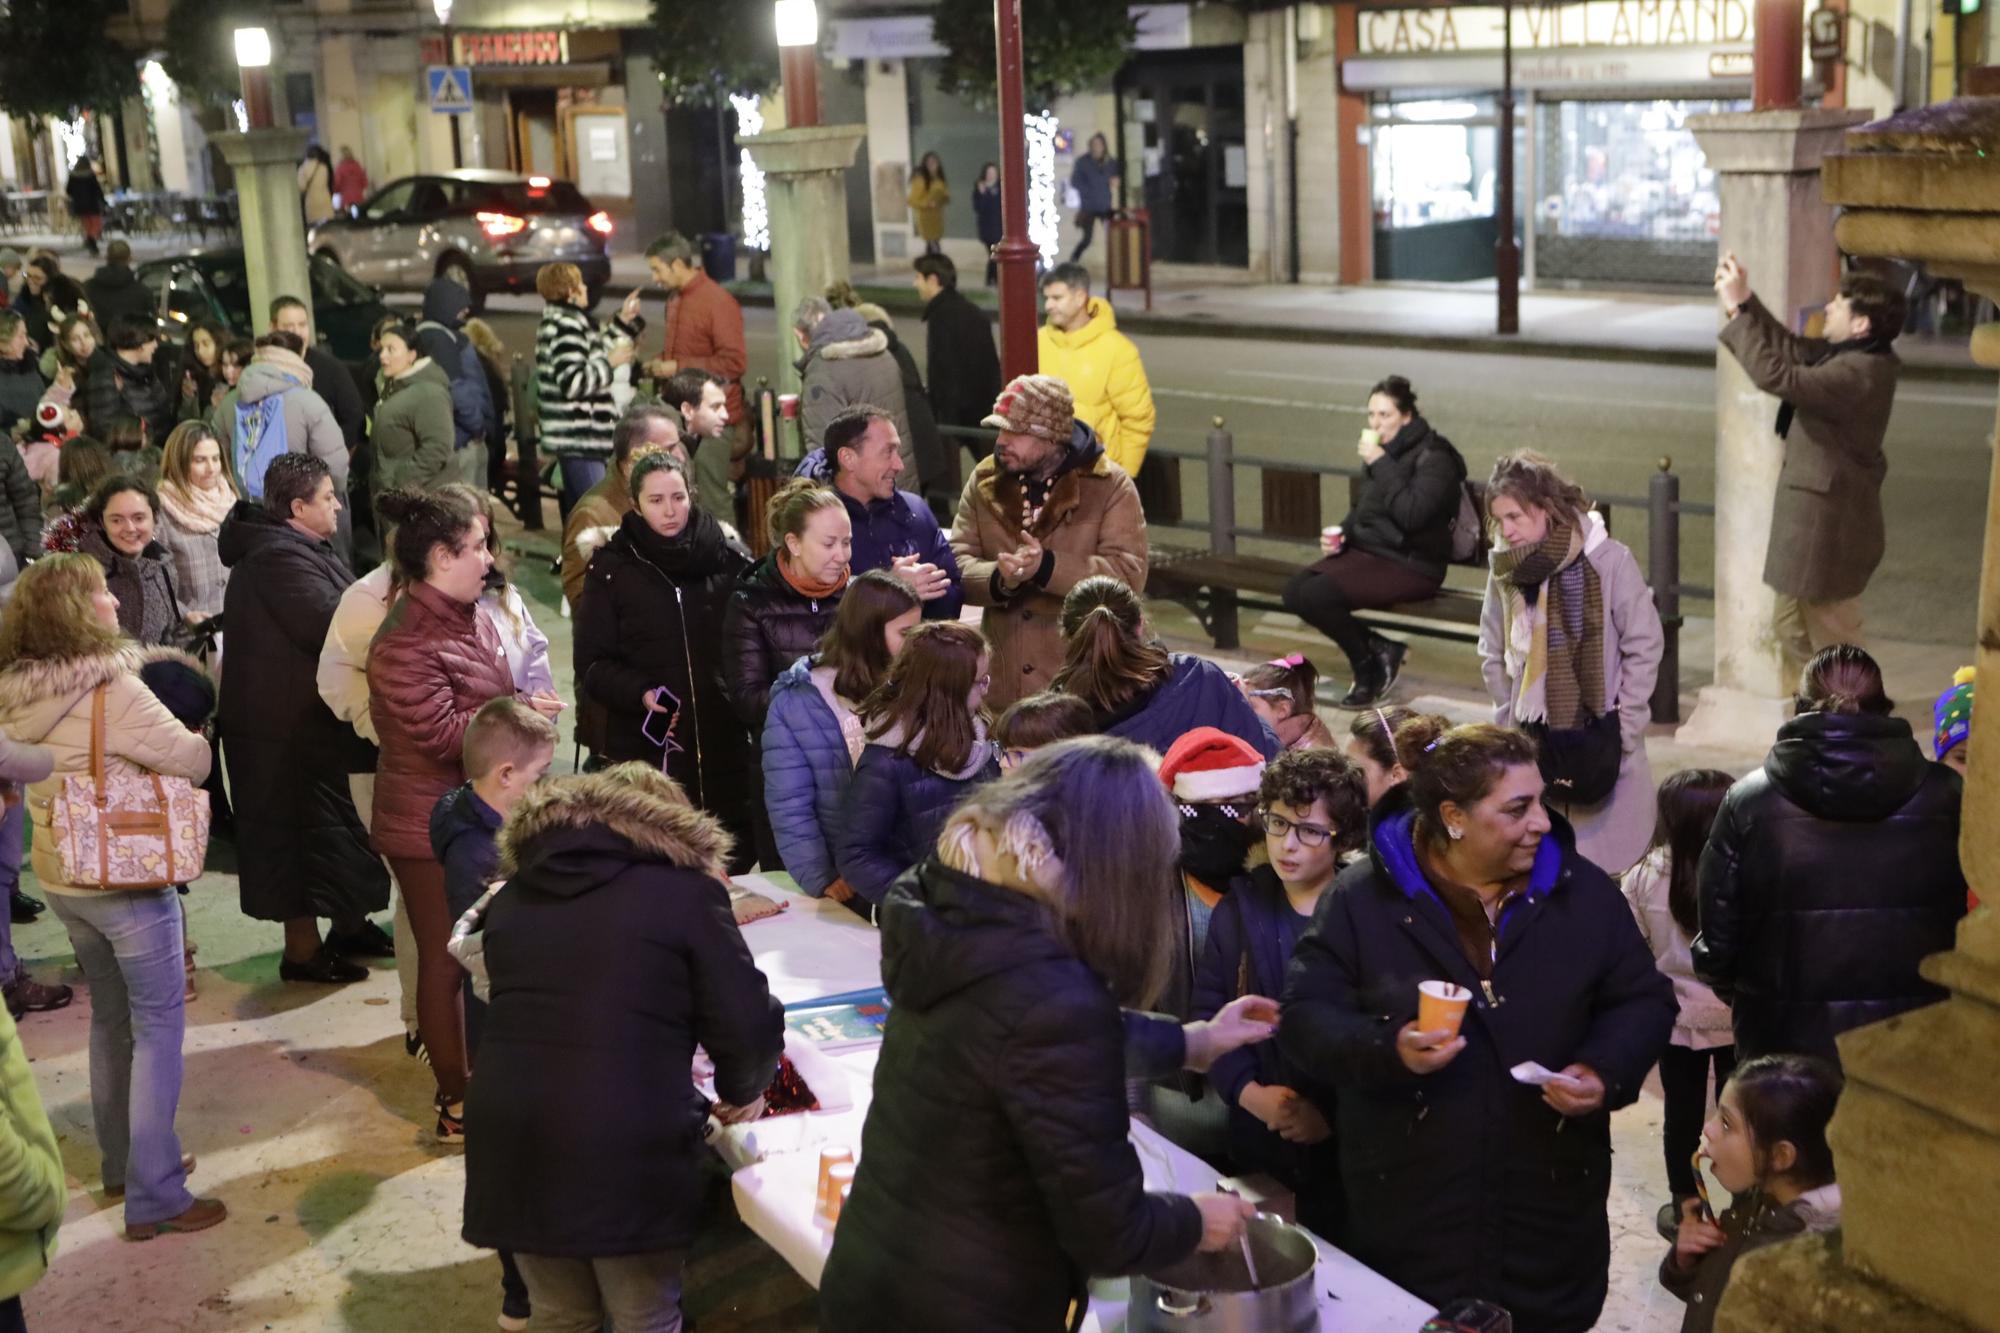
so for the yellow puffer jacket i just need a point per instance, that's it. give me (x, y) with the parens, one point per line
(1104, 374)
(32, 1190)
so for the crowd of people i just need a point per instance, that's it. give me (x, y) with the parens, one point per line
(1110, 878)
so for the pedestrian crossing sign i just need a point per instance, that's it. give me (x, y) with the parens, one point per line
(451, 89)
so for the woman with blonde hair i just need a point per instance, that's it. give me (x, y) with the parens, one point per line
(574, 364)
(1570, 644)
(65, 659)
(196, 494)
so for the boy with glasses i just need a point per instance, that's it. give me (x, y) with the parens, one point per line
(1313, 807)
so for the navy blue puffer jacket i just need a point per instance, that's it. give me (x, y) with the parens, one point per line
(895, 809)
(806, 775)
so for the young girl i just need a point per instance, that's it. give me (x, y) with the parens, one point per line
(1038, 720)
(1661, 889)
(1313, 808)
(1380, 745)
(1767, 1146)
(1282, 693)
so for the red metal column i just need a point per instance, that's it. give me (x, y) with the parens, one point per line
(1776, 55)
(798, 71)
(1016, 253)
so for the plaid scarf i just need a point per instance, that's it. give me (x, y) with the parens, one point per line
(1560, 680)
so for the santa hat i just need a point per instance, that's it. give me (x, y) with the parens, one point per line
(1211, 765)
(1952, 715)
(49, 416)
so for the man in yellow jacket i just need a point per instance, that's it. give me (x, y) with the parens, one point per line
(1081, 346)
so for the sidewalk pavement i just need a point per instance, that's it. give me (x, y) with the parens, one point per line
(1671, 329)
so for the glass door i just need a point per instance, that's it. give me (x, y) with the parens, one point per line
(1190, 155)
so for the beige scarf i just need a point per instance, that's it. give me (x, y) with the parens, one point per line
(196, 511)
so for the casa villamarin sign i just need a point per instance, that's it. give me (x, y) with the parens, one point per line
(1550, 27)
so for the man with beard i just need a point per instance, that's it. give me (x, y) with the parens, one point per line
(1045, 511)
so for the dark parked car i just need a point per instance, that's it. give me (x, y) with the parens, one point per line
(489, 231)
(211, 284)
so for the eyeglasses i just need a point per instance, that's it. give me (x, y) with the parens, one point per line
(1279, 827)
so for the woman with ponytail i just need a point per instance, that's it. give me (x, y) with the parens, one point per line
(786, 602)
(1134, 686)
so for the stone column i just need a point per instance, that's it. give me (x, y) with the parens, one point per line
(805, 187)
(1767, 163)
(266, 163)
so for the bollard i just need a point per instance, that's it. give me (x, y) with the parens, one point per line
(1222, 532)
(527, 428)
(1663, 572)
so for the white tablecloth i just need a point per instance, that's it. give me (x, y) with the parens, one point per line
(818, 948)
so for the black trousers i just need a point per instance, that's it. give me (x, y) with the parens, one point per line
(1684, 1080)
(1327, 593)
(1088, 222)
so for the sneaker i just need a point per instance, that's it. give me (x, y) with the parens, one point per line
(450, 1121)
(23, 910)
(198, 1216)
(371, 941)
(324, 966)
(413, 1045)
(28, 996)
(514, 1313)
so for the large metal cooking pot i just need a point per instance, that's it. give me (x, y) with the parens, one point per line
(1213, 1293)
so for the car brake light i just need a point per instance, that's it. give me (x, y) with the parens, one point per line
(497, 225)
(600, 222)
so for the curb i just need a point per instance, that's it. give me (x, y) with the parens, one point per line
(1167, 326)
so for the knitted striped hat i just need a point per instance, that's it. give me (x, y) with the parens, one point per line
(1953, 713)
(1035, 405)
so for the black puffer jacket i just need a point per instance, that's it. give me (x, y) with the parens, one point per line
(1464, 1182)
(650, 615)
(769, 627)
(1830, 873)
(612, 952)
(1409, 499)
(995, 1174)
(895, 808)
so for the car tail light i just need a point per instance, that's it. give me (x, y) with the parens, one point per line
(497, 225)
(600, 222)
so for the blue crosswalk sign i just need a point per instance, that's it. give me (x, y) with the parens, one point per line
(451, 89)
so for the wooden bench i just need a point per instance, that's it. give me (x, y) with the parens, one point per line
(1214, 586)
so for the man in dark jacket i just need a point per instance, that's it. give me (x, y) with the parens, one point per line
(1830, 874)
(964, 368)
(893, 529)
(615, 922)
(114, 291)
(1826, 520)
(441, 337)
(131, 379)
(301, 849)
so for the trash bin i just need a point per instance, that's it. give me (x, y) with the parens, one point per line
(718, 255)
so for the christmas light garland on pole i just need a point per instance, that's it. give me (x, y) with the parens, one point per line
(1044, 222)
(756, 212)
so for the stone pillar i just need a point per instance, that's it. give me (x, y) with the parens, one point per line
(1774, 220)
(805, 187)
(266, 163)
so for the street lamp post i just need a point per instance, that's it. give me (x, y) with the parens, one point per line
(253, 63)
(798, 61)
(1016, 253)
(1506, 254)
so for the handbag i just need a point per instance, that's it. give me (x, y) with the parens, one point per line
(127, 830)
(1580, 764)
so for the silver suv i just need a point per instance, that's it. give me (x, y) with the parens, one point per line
(490, 231)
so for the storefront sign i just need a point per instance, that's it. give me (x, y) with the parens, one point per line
(905, 37)
(1549, 71)
(1548, 27)
(1827, 31)
(540, 47)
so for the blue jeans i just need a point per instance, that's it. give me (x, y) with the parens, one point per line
(129, 947)
(13, 831)
(579, 474)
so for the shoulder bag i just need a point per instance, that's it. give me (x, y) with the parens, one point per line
(127, 830)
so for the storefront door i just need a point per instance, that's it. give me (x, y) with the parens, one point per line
(1190, 163)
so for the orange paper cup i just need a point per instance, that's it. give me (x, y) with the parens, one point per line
(830, 1156)
(1441, 1007)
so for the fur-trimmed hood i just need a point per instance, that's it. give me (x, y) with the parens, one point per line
(572, 835)
(38, 693)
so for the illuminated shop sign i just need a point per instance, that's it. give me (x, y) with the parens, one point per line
(1550, 27)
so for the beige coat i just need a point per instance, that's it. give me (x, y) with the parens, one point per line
(592, 520)
(1092, 522)
(1613, 833)
(48, 703)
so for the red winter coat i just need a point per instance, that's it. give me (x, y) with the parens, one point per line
(432, 665)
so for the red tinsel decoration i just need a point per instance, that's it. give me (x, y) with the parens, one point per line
(63, 534)
(788, 1092)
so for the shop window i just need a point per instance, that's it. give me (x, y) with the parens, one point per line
(1434, 165)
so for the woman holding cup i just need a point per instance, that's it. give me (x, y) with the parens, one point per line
(1460, 1178)
(1392, 547)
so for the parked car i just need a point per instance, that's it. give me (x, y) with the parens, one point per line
(211, 284)
(487, 230)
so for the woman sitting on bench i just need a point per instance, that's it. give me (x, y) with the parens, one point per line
(1392, 547)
